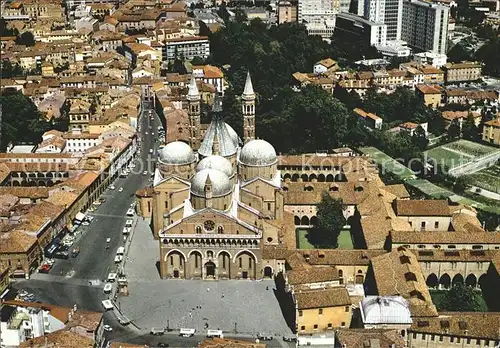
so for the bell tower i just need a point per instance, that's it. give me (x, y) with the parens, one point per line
(248, 109)
(194, 112)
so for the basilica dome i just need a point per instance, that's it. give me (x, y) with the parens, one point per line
(216, 162)
(258, 153)
(176, 153)
(221, 185)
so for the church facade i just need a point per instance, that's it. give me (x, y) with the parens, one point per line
(217, 201)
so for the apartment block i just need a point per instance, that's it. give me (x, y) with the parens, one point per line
(318, 16)
(462, 72)
(491, 131)
(425, 25)
(188, 47)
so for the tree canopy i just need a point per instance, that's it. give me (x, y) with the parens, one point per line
(462, 298)
(26, 39)
(330, 222)
(21, 122)
(489, 54)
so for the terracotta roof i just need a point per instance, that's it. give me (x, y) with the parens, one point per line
(398, 273)
(422, 208)
(212, 72)
(311, 275)
(426, 89)
(35, 155)
(463, 324)
(459, 255)
(455, 92)
(62, 198)
(364, 114)
(60, 313)
(39, 167)
(356, 338)
(464, 65)
(229, 343)
(445, 237)
(39, 214)
(332, 297)
(126, 345)
(16, 242)
(145, 192)
(25, 192)
(88, 320)
(60, 338)
(452, 115)
(337, 257)
(398, 190)
(177, 124)
(327, 62)
(299, 193)
(272, 252)
(493, 123)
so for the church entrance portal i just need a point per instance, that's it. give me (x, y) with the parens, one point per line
(210, 268)
(176, 274)
(244, 275)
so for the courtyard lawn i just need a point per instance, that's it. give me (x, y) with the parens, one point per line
(303, 242)
(437, 296)
(345, 240)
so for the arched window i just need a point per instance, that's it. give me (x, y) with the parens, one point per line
(341, 273)
(210, 254)
(240, 261)
(220, 229)
(198, 229)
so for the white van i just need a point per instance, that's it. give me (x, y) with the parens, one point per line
(112, 277)
(107, 288)
(130, 212)
(120, 251)
(129, 223)
(187, 332)
(215, 333)
(107, 305)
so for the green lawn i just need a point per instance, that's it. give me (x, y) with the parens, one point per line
(387, 163)
(458, 152)
(344, 241)
(487, 178)
(444, 158)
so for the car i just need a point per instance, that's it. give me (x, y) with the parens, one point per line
(75, 252)
(146, 133)
(107, 288)
(102, 200)
(162, 344)
(265, 336)
(97, 203)
(44, 268)
(85, 223)
(107, 328)
(150, 150)
(23, 293)
(108, 240)
(120, 189)
(152, 133)
(157, 332)
(290, 338)
(145, 172)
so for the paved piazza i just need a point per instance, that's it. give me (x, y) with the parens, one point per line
(221, 304)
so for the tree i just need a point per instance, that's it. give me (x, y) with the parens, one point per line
(197, 61)
(489, 54)
(461, 298)
(5, 31)
(419, 138)
(460, 185)
(8, 70)
(330, 221)
(469, 129)
(454, 129)
(26, 39)
(21, 122)
(459, 53)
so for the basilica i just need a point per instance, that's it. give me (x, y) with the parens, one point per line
(217, 201)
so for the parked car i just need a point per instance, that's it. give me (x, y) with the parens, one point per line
(162, 344)
(61, 255)
(75, 252)
(112, 187)
(264, 336)
(120, 189)
(107, 328)
(44, 268)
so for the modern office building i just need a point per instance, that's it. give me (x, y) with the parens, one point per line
(318, 16)
(388, 12)
(425, 25)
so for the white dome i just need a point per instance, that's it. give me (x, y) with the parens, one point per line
(232, 134)
(258, 153)
(221, 185)
(176, 153)
(216, 162)
(385, 310)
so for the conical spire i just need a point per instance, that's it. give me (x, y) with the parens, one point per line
(248, 91)
(193, 88)
(217, 107)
